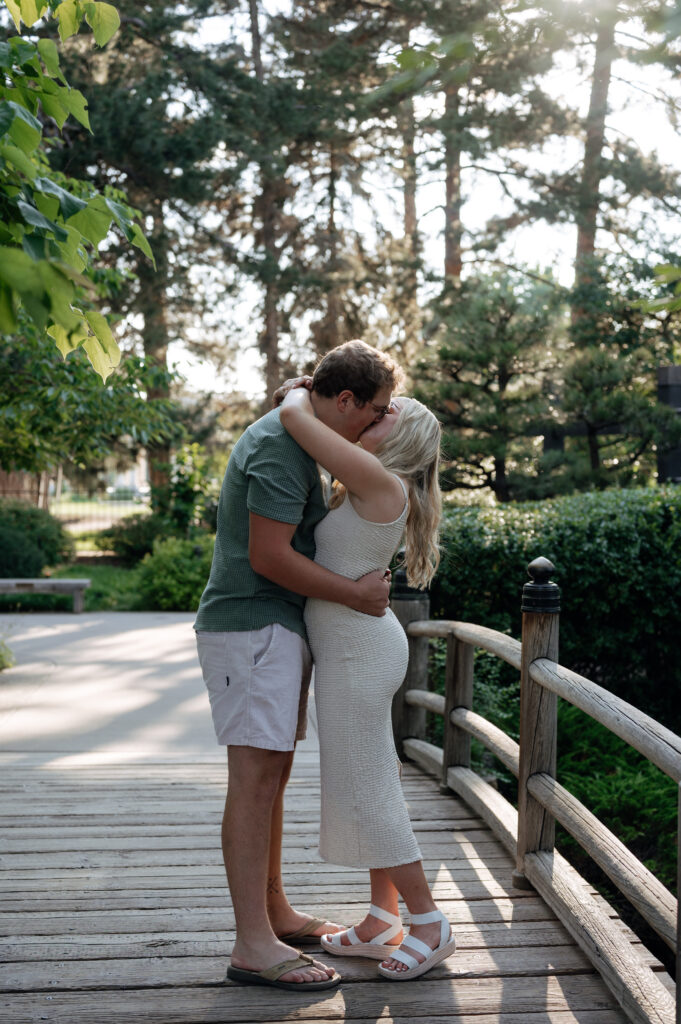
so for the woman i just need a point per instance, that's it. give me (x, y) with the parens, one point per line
(389, 488)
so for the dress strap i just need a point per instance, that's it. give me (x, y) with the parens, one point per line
(404, 488)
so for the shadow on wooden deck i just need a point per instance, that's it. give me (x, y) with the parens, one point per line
(115, 908)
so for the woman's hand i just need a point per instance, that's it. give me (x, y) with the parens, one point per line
(288, 385)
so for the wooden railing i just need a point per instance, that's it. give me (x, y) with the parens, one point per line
(529, 832)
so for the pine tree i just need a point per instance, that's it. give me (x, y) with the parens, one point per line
(487, 381)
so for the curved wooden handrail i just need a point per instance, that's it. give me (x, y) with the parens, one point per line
(652, 900)
(434, 702)
(505, 647)
(495, 739)
(659, 745)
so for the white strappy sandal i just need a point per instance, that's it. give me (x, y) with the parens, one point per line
(376, 949)
(445, 948)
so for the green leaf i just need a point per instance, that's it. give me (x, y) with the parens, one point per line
(5, 56)
(47, 48)
(140, 240)
(29, 11)
(667, 272)
(20, 272)
(7, 116)
(103, 20)
(60, 292)
(25, 54)
(15, 11)
(36, 219)
(17, 157)
(69, 17)
(72, 250)
(35, 246)
(102, 350)
(68, 341)
(8, 317)
(93, 222)
(76, 104)
(69, 205)
(25, 129)
(54, 108)
(48, 205)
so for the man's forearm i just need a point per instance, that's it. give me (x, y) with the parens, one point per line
(295, 572)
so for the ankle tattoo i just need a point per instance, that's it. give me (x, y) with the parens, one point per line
(273, 885)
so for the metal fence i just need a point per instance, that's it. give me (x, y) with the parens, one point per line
(86, 513)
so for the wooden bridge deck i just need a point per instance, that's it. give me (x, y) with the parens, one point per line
(115, 907)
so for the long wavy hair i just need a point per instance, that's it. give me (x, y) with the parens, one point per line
(412, 451)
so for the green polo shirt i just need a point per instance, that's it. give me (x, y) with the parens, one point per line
(271, 475)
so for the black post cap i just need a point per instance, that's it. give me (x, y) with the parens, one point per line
(541, 595)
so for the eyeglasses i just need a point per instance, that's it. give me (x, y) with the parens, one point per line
(381, 410)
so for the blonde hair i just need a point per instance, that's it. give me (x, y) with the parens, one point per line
(412, 451)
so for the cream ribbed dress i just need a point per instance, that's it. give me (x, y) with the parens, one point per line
(360, 661)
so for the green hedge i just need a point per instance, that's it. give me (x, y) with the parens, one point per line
(618, 563)
(31, 539)
(132, 537)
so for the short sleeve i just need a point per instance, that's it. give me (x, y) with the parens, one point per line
(280, 478)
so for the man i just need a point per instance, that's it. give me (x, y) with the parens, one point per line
(254, 654)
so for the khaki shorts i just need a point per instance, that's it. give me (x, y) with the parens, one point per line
(258, 683)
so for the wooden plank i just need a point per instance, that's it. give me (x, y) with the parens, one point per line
(156, 972)
(492, 936)
(201, 837)
(454, 850)
(451, 998)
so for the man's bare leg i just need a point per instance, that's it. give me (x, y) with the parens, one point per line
(283, 918)
(253, 783)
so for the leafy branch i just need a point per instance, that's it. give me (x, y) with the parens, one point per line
(51, 226)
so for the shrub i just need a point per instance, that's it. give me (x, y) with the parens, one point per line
(18, 556)
(6, 657)
(618, 563)
(39, 531)
(133, 537)
(173, 576)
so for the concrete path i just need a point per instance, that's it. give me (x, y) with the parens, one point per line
(119, 685)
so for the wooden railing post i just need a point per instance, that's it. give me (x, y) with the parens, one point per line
(678, 911)
(456, 742)
(410, 605)
(538, 710)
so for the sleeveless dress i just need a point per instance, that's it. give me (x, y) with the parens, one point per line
(360, 662)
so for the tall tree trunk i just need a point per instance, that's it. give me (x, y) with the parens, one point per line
(152, 305)
(267, 209)
(412, 314)
(501, 490)
(453, 229)
(590, 184)
(592, 172)
(332, 332)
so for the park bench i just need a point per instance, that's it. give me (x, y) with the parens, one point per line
(46, 585)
